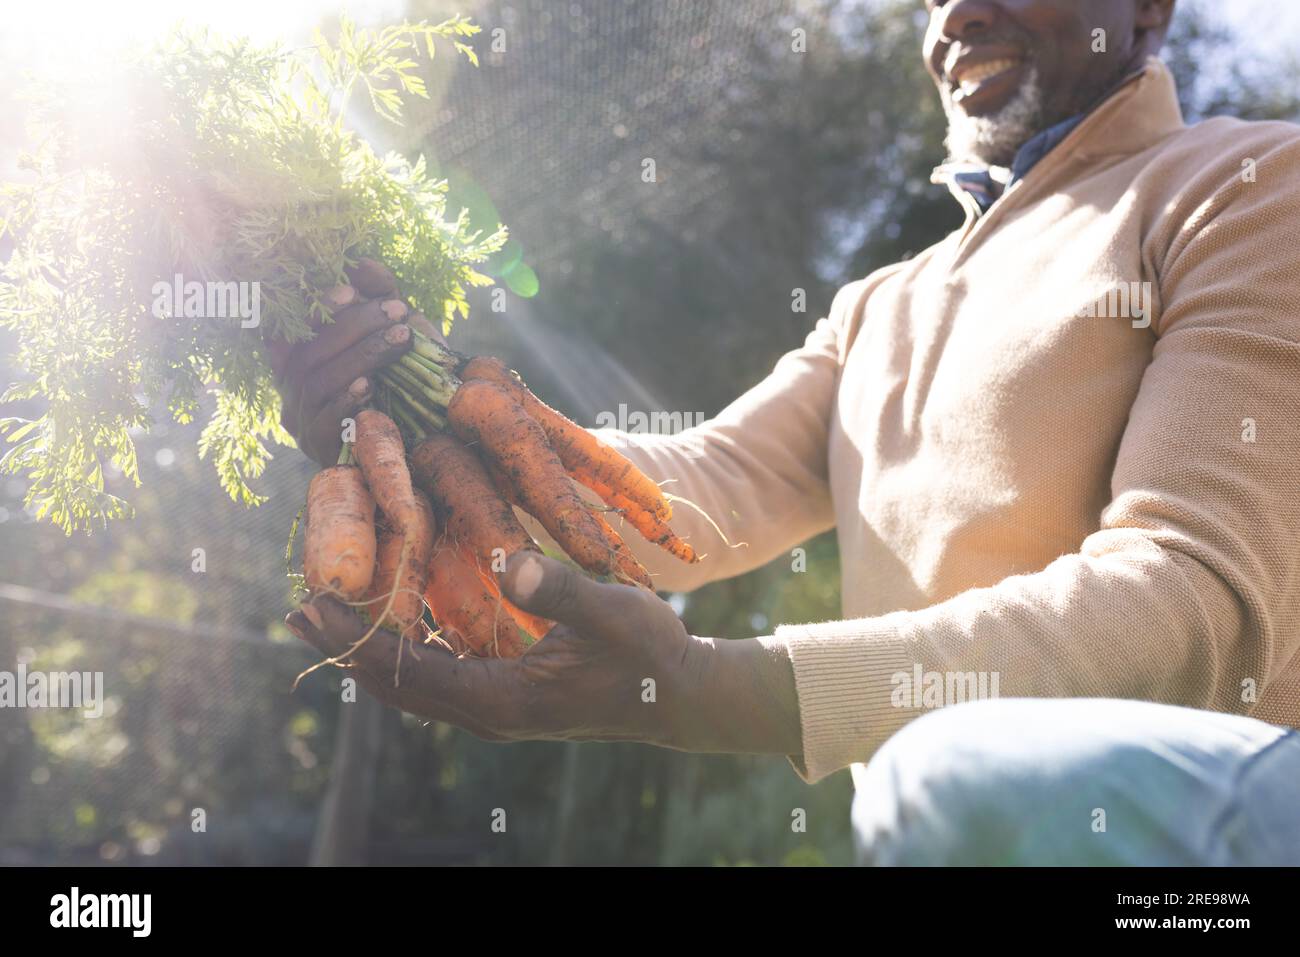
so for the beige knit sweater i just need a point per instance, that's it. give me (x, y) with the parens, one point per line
(1027, 478)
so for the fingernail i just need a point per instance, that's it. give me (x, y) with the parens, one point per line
(360, 388)
(528, 578)
(396, 335)
(310, 612)
(394, 309)
(341, 296)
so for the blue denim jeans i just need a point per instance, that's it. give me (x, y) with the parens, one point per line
(1085, 781)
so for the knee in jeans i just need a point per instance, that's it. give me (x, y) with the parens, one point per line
(937, 793)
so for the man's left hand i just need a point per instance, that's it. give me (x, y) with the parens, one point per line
(619, 664)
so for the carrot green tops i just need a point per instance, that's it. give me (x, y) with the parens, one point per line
(1061, 447)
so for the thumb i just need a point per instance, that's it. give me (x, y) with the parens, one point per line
(542, 586)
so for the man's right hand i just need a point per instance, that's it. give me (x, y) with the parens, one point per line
(331, 377)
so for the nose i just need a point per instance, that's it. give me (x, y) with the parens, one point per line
(962, 18)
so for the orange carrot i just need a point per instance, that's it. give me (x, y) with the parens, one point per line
(473, 510)
(410, 552)
(535, 625)
(459, 600)
(625, 562)
(471, 491)
(339, 548)
(379, 451)
(462, 477)
(650, 526)
(485, 414)
(579, 450)
(627, 568)
(501, 481)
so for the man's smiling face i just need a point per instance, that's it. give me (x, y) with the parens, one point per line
(1007, 69)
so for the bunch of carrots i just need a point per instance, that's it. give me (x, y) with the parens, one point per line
(420, 508)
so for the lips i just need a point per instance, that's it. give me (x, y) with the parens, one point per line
(976, 78)
(973, 77)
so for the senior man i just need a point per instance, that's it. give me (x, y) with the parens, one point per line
(1060, 451)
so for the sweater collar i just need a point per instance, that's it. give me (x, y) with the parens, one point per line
(1141, 111)
(987, 183)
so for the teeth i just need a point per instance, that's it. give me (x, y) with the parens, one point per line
(972, 78)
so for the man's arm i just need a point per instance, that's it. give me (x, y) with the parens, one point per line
(1189, 592)
(618, 666)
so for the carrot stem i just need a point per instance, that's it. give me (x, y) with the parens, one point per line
(427, 367)
(436, 353)
(409, 419)
(434, 378)
(435, 399)
(415, 394)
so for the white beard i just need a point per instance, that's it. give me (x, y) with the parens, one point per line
(994, 139)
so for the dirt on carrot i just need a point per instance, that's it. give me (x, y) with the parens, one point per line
(651, 527)
(472, 508)
(339, 548)
(486, 415)
(461, 601)
(535, 625)
(379, 451)
(396, 593)
(581, 452)
(627, 568)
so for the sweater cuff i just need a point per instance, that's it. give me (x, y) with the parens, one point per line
(843, 674)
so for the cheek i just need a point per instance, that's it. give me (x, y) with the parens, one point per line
(1075, 41)
(1082, 30)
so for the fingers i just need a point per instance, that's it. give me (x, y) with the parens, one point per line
(554, 590)
(333, 628)
(340, 297)
(372, 279)
(377, 350)
(431, 681)
(328, 643)
(336, 300)
(280, 352)
(334, 639)
(361, 311)
(323, 438)
(349, 327)
(384, 691)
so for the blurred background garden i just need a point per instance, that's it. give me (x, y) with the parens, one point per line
(776, 171)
